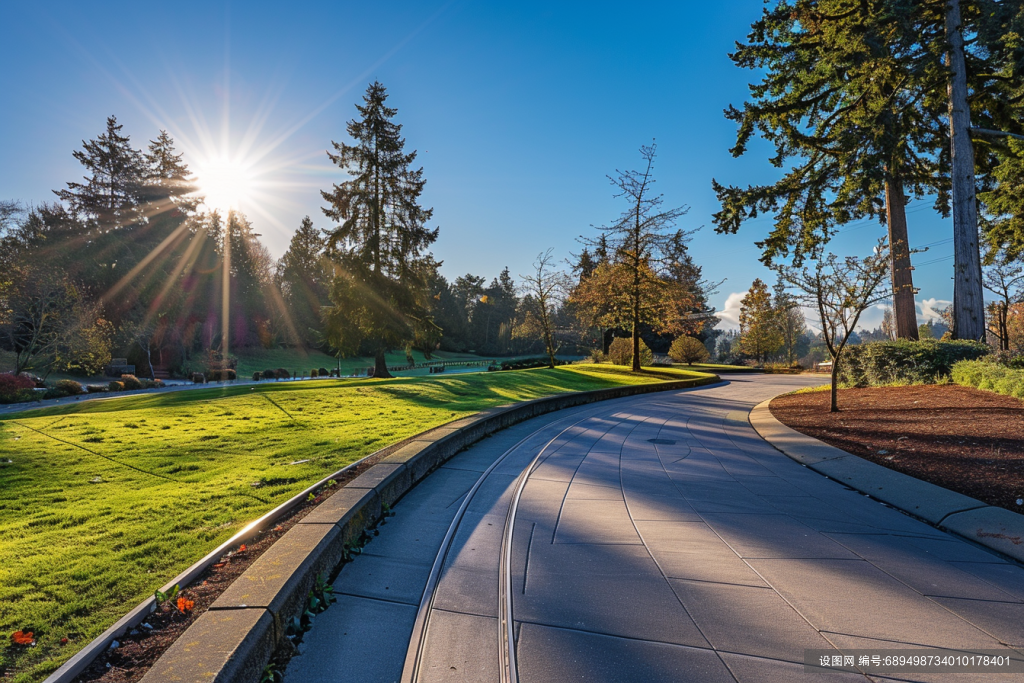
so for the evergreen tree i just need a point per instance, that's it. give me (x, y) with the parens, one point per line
(304, 277)
(759, 325)
(792, 324)
(842, 96)
(112, 191)
(379, 295)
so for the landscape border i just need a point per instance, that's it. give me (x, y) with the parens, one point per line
(995, 528)
(235, 638)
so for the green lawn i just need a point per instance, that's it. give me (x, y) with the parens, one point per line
(105, 501)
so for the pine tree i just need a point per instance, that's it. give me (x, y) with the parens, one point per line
(760, 335)
(842, 96)
(304, 275)
(381, 244)
(112, 191)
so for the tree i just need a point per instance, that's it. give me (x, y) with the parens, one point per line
(112, 192)
(620, 352)
(889, 324)
(381, 245)
(544, 288)
(840, 290)
(760, 335)
(842, 96)
(630, 289)
(792, 325)
(304, 278)
(686, 349)
(1004, 279)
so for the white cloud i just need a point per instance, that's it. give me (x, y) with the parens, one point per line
(730, 312)
(929, 309)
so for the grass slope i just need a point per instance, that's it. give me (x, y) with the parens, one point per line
(105, 501)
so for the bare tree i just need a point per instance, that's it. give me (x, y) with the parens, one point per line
(1003, 278)
(543, 291)
(840, 289)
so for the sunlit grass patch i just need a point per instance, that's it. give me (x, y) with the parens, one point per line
(105, 501)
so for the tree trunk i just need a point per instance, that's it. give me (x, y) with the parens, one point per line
(380, 366)
(636, 348)
(904, 306)
(149, 360)
(1004, 332)
(968, 297)
(833, 406)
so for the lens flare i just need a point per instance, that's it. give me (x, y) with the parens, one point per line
(224, 183)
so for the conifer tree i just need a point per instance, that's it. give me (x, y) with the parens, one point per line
(760, 335)
(304, 275)
(382, 240)
(841, 97)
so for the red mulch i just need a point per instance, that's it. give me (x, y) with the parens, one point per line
(962, 439)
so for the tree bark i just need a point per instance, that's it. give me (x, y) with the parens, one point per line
(968, 297)
(833, 405)
(380, 366)
(903, 303)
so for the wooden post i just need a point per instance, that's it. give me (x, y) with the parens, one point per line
(968, 297)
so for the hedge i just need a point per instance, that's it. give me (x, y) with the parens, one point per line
(905, 362)
(989, 376)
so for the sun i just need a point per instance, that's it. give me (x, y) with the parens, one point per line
(224, 183)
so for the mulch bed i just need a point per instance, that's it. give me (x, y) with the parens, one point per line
(138, 651)
(962, 439)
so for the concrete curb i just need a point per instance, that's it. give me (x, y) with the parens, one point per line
(995, 528)
(236, 637)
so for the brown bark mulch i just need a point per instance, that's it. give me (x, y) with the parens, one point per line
(962, 439)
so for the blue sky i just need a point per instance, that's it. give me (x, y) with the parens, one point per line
(518, 110)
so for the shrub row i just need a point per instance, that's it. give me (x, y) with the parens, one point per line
(527, 363)
(990, 376)
(16, 388)
(904, 362)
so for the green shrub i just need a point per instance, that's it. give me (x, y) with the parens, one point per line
(324, 372)
(221, 375)
(96, 388)
(904, 362)
(198, 378)
(131, 382)
(620, 352)
(69, 387)
(257, 376)
(269, 374)
(281, 373)
(688, 350)
(989, 376)
(528, 363)
(115, 386)
(313, 373)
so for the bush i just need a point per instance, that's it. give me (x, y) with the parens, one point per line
(281, 373)
(989, 376)
(598, 356)
(198, 378)
(115, 386)
(96, 388)
(269, 374)
(313, 373)
(16, 388)
(621, 352)
(221, 375)
(68, 387)
(256, 376)
(688, 350)
(131, 382)
(904, 362)
(528, 363)
(324, 372)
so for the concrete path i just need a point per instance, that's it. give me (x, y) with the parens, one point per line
(655, 538)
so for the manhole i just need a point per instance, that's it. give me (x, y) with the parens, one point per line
(663, 442)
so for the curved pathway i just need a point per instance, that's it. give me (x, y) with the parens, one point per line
(654, 538)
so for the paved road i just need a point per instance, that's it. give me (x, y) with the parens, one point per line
(655, 538)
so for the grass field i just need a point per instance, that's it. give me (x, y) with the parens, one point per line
(104, 501)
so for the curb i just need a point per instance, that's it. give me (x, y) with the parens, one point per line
(995, 528)
(235, 638)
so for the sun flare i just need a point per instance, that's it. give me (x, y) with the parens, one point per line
(224, 183)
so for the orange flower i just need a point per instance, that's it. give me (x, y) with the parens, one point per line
(241, 548)
(23, 638)
(184, 605)
(63, 641)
